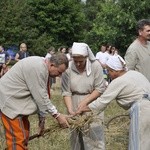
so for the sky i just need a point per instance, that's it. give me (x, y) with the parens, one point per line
(83, 1)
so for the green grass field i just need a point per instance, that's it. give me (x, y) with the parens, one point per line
(116, 134)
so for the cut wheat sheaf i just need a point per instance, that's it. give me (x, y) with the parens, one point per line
(83, 122)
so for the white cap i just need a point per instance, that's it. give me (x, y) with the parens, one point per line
(116, 62)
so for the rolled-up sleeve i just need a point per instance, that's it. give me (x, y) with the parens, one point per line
(65, 84)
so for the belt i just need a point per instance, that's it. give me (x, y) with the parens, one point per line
(77, 93)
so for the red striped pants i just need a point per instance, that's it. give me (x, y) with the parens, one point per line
(16, 132)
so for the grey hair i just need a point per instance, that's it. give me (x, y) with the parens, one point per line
(141, 23)
(59, 59)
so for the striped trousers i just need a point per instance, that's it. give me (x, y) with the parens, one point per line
(16, 132)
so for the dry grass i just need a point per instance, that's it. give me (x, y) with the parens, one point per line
(58, 139)
(116, 132)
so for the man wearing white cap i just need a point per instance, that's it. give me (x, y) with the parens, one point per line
(131, 90)
(82, 83)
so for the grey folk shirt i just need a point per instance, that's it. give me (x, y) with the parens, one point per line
(23, 89)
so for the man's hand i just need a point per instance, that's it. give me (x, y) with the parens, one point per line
(41, 126)
(62, 120)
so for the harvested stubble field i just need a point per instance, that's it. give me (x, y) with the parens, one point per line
(116, 129)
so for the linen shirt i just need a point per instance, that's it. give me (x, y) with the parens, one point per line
(78, 86)
(23, 89)
(102, 57)
(138, 58)
(74, 81)
(126, 89)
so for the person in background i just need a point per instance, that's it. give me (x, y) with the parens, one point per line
(112, 50)
(5, 58)
(23, 53)
(69, 55)
(62, 49)
(50, 53)
(131, 89)
(109, 47)
(3, 70)
(102, 56)
(82, 83)
(137, 55)
(24, 91)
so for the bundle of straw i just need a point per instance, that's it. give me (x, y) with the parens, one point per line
(76, 123)
(80, 121)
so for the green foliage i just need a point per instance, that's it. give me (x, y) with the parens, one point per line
(60, 23)
(41, 23)
(45, 23)
(17, 23)
(115, 22)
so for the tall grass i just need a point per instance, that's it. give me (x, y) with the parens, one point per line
(116, 134)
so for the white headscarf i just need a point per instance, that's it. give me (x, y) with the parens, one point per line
(116, 62)
(84, 50)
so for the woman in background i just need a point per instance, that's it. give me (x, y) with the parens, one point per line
(3, 70)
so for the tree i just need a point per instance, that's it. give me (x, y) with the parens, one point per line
(115, 22)
(41, 23)
(58, 22)
(17, 23)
